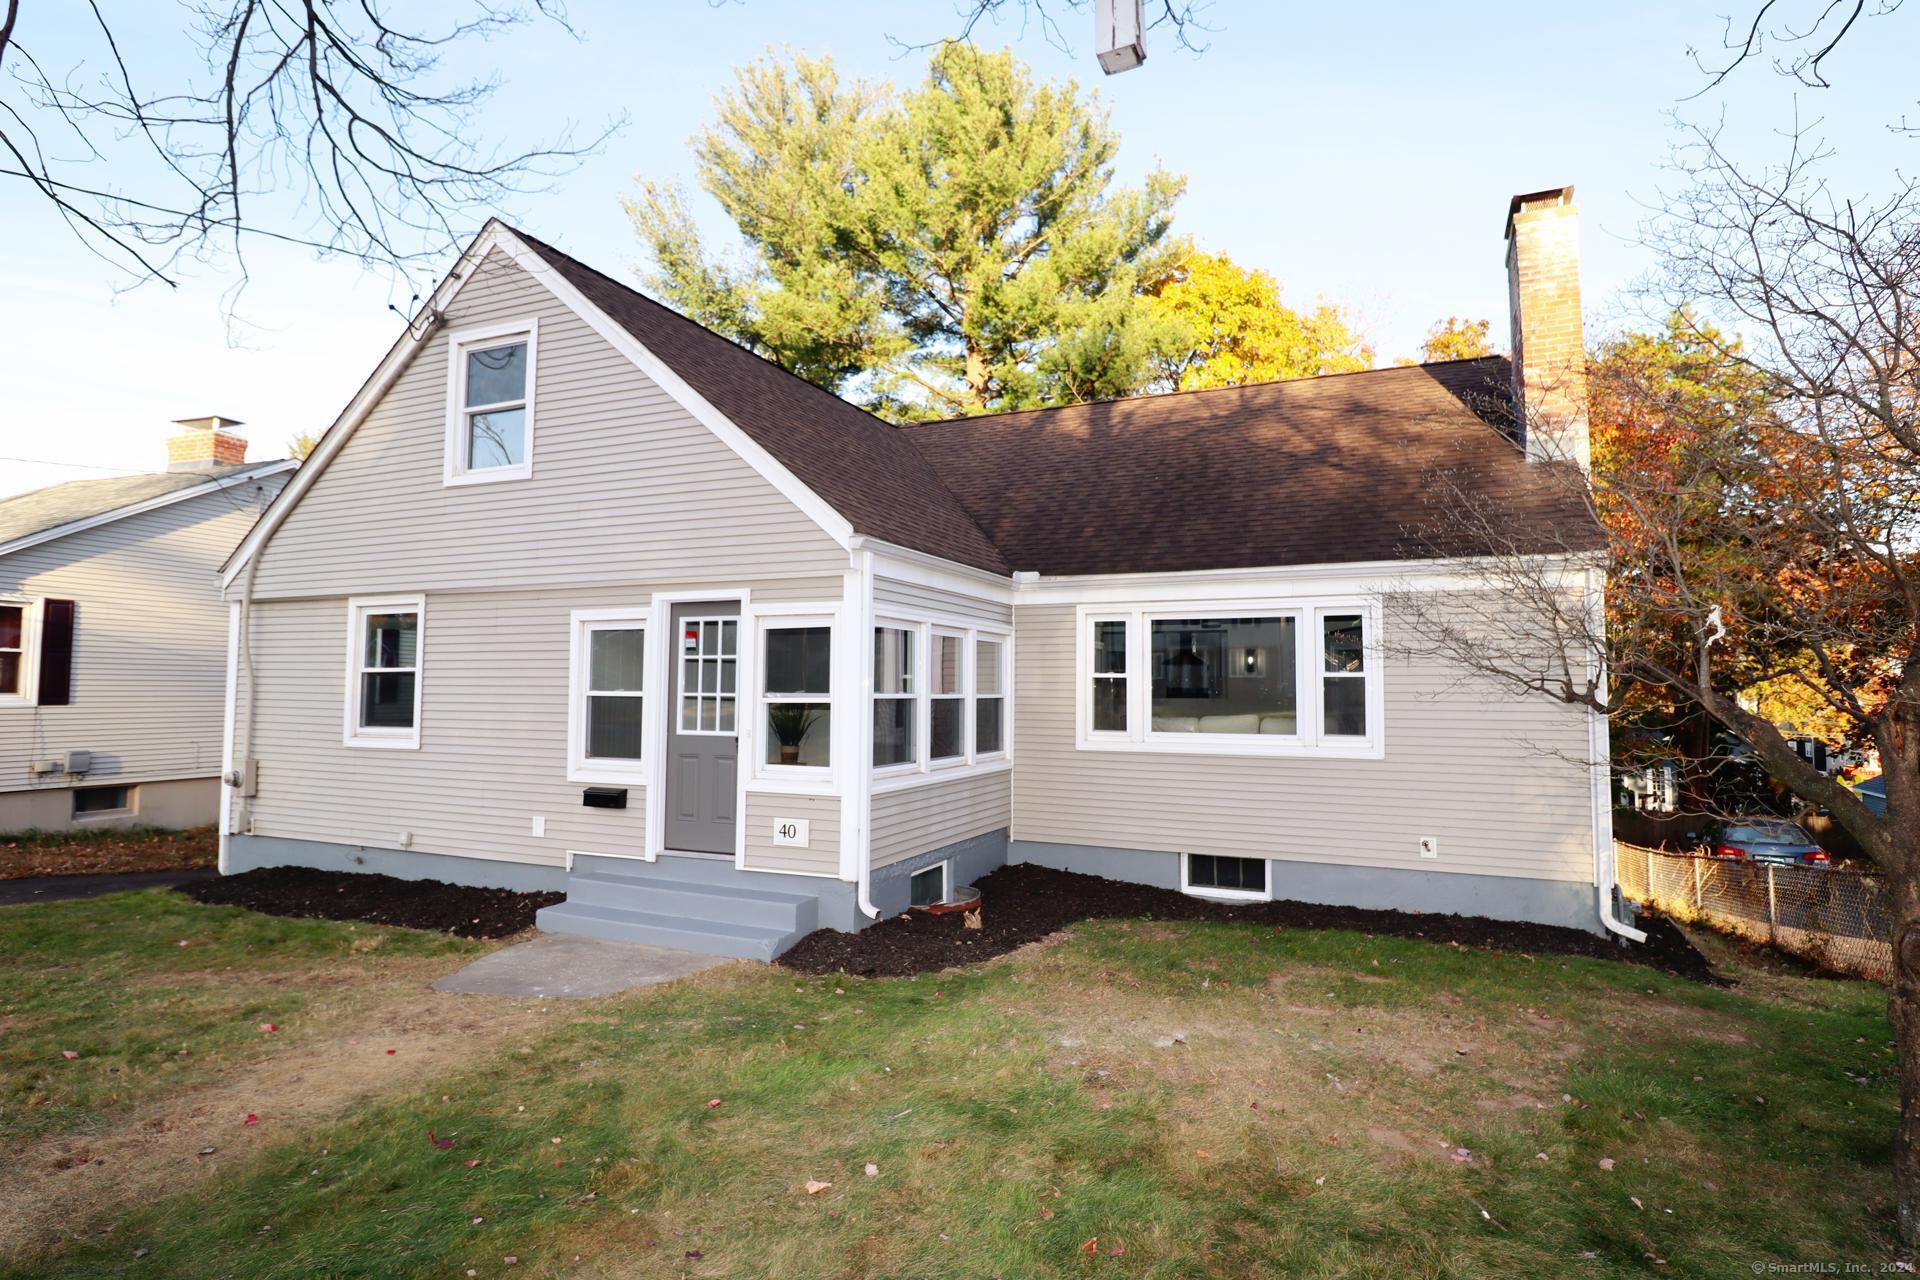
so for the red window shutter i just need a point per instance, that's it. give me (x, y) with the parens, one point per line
(56, 653)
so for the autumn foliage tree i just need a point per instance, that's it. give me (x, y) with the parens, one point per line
(1761, 504)
(1224, 325)
(1456, 339)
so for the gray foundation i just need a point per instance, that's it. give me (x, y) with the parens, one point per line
(244, 853)
(1569, 904)
(971, 860)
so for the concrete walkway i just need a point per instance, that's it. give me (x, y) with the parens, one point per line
(54, 888)
(565, 965)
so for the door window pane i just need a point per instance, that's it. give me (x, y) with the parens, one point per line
(709, 649)
(1224, 675)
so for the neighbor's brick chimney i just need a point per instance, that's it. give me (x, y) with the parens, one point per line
(205, 442)
(1549, 350)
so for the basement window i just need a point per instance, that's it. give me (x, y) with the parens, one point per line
(100, 802)
(1210, 875)
(928, 887)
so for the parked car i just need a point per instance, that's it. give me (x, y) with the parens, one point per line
(1873, 793)
(1773, 840)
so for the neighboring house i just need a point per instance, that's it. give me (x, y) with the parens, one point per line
(578, 595)
(113, 637)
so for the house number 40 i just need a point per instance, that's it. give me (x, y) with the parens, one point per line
(790, 831)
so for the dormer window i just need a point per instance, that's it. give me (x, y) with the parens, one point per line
(490, 381)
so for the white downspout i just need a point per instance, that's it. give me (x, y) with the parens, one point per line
(862, 773)
(1600, 771)
(226, 736)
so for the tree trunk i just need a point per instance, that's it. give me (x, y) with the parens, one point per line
(1903, 1008)
(979, 375)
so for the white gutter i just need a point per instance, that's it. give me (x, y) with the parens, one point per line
(1600, 772)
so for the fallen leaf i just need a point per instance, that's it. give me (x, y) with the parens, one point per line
(478, 1221)
(391, 1052)
(268, 1028)
(1539, 1155)
(712, 1103)
(69, 1055)
(556, 1141)
(695, 1254)
(444, 1144)
(1320, 1181)
(872, 1170)
(472, 1164)
(1092, 1247)
(1117, 1251)
(250, 1121)
(1636, 1202)
(1204, 1155)
(183, 942)
(1606, 1164)
(207, 1151)
(815, 1187)
(1046, 1214)
(512, 1259)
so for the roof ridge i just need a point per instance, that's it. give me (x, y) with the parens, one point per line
(1307, 378)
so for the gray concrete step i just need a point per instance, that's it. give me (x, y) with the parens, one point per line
(666, 895)
(709, 937)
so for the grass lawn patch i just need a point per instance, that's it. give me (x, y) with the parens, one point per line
(106, 851)
(1135, 1098)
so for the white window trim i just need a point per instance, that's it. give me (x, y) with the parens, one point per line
(964, 698)
(30, 620)
(945, 868)
(923, 769)
(455, 468)
(808, 776)
(1005, 695)
(1224, 895)
(1307, 742)
(916, 694)
(354, 735)
(580, 766)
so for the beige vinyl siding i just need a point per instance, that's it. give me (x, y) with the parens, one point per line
(1500, 781)
(912, 600)
(493, 733)
(931, 815)
(150, 642)
(627, 486)
(822, 854)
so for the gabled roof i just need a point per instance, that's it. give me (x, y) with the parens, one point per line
(25, 517)
(862, 467)
(1343, 468)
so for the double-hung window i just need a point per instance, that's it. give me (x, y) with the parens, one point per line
(989, 697)
(384, 653)
(490, 411)
(946, 715)
(606, 723)
(1294, 678)
(797, 694)
(15, 620)
(895, 741)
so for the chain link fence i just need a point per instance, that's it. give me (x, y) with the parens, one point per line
(1839, 919)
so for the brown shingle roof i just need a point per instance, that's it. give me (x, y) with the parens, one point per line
(1346, 468)
(862, 467)
(1351, 467)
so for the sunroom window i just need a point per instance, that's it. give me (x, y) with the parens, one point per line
(894, 739)
(1344, 681)
(945, 715)
(1109, 693)
(1225, 675)
(990, 697)
(798, 695)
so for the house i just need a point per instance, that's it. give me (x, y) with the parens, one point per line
(113, 637)
(578, 595)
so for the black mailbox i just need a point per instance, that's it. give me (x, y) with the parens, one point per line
(604, 797)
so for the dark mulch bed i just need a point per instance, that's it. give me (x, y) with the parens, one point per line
(30, 854)
(1023, 903)
(340, 895)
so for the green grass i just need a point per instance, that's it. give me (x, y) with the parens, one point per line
(1016, 1111)
(35, 837)
(109, 979)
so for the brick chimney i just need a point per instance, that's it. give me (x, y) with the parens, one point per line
(1549, 350)
(202, 443)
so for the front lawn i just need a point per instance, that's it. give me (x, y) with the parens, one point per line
(1136, 1099)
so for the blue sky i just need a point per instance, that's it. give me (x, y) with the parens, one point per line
(1360, 153)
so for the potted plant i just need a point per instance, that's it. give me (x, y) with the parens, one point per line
(790, 722)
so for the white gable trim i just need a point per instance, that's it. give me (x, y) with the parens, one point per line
(496, 236)
(771, 469)
(139, 508)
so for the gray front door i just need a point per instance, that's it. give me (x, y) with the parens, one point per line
(702, 731)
